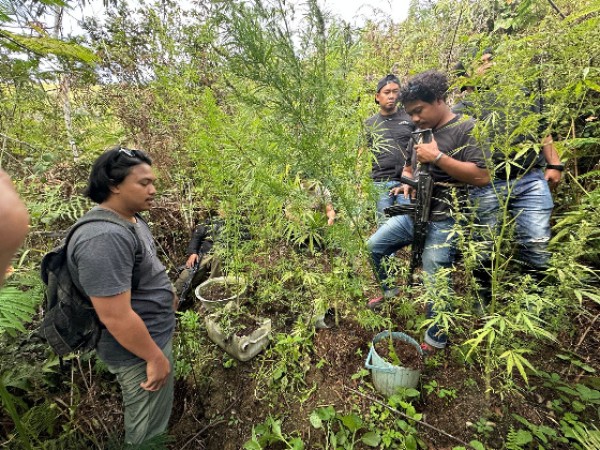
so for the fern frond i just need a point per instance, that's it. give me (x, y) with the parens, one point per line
(515, 440)
(17, 307)
(40, 418)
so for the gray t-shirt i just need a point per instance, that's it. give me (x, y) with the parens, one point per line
(454, 139)
(387, 137)
(102, 254)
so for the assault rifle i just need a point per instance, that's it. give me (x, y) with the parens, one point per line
(420, 207)
(187, 286)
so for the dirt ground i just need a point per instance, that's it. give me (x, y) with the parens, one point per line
(222, 417)
(219, 412)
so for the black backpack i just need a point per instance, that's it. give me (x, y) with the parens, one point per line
(70, 322)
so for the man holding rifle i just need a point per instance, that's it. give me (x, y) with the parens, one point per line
(454, 160)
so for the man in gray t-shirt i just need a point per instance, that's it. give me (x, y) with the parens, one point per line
(138, 317)
(103, 254)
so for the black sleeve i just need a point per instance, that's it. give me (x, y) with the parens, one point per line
(368, 138)
(367, 133)
(197, 238)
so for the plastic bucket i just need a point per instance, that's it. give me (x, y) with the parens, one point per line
(387, 377)
(237, 283)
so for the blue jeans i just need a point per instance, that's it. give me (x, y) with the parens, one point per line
(439, 253)
(385, 199)
(529, 202)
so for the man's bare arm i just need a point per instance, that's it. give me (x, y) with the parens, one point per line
(464, 171)
(129, 330)
(553, 176)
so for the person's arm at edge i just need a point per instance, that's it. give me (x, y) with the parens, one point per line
(14, 222)
(127, 327)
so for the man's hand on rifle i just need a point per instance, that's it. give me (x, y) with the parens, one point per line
(406, 190)
(427, 153)
(403, 189)
(191, 261)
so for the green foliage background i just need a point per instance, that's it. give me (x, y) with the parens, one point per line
(238, 101)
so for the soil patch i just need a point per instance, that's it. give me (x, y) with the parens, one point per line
(244, 324)
(399, 353)
(219, 291)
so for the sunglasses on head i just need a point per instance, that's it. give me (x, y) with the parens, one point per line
(131, 153)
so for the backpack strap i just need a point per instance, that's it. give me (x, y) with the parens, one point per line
(137, 274)
(107, 216)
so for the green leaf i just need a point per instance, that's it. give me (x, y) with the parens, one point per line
(594, 8)
(296, 444)
(352, 422)
(360, 374)
(17, 307)
(45, 46)
(584, 366)
(410, 443)
(586, 393)
(514, 359)
(278, 373)
(252, 445)
(577, 406)
(482, 334)
(326, 413)
(477, 445)
(342, 436)
(523, 437)
(276, 428)
(411, 393)
(372, 439)
(315, 420)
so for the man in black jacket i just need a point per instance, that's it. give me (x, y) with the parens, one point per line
(201, 263)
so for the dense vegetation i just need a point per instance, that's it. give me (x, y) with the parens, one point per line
(239, 101)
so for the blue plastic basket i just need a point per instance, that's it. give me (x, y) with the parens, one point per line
(387, 377)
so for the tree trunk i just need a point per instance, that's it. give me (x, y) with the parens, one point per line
(64, 91)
